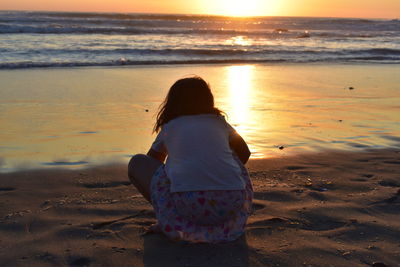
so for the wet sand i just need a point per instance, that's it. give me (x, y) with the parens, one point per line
(87, 116)
(329, 208)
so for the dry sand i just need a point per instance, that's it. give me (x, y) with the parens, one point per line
(325, 209)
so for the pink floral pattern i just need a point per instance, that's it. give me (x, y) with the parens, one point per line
(201, 216)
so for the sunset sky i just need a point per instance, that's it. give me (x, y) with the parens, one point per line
(315, 8)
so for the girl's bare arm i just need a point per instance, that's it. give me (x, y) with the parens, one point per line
(239, 146)
(157, 155)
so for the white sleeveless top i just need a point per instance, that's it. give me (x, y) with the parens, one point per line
(199, 156)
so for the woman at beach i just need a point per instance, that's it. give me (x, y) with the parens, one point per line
(203, 192)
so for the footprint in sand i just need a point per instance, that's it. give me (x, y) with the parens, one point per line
(390, 183)
(315, 221)
(275, 221)
(294, 168)
(276, 196)
(358, 179)
(6, 189)
(317, 196)
(392, 162)
(368, 175)
(79, 262)
(258, 204)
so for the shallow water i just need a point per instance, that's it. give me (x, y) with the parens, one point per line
(81, 116)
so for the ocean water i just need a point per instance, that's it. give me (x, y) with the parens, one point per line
(50, 39)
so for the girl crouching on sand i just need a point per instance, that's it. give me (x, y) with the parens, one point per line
(203, 192)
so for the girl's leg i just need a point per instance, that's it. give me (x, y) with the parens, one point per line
(141, 169)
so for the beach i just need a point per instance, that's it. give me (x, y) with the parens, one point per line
(325, 164)
(316, 100)
(331, 208)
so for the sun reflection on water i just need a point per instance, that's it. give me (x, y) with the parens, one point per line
(239, 40)
(240, 97)
(239, 86)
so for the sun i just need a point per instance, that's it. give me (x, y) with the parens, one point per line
(240, 8)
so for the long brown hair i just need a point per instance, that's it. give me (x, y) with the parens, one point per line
(187, 96)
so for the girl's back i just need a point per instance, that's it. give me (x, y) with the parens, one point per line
(199, 155)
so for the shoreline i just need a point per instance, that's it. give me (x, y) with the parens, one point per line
(333, 208)
(255, 163)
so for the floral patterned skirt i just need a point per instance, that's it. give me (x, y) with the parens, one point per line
(201, 216)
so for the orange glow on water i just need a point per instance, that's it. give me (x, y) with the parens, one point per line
(239, 40)
(240, 86)
(241, 97)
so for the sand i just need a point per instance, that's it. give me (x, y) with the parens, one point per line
(329, 208)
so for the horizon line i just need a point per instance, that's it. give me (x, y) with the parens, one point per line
(194, 14)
